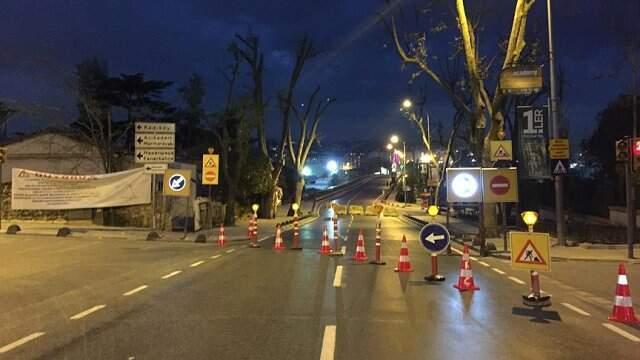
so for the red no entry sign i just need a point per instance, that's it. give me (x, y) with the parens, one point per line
(210, 176)
(500, 185)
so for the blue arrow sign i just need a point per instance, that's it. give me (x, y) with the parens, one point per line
(435, 238)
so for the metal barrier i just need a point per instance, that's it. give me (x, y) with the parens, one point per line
(356, 210)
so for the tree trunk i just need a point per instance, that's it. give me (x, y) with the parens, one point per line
(298, 195)
(268, 208)
(230, 213)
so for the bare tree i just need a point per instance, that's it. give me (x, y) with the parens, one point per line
(308, 120)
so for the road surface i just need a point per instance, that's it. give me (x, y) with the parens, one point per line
(121, 299)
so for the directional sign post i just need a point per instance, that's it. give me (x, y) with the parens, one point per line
(155, 168)
(435, 238)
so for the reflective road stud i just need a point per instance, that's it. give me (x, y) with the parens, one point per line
(378, 261)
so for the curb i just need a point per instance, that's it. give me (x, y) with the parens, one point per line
(419, 222)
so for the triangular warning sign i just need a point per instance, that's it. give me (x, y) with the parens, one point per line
(501, 153)
(530, 255)
(559, 169)
(210, 163)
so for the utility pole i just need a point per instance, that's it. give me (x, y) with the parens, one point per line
(558, 179)
(631, 192)
(404, 175)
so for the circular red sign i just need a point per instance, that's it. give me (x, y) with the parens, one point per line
(210, 176)
(500, 185)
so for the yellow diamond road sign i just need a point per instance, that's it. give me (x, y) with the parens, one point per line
(177, 182)
(210, 169)
(530, 250)
(558, 149)
(501, 150)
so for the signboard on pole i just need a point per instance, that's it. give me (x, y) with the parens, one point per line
(559, 149)
(151, 156)
(155, 168)
(155, 142)
(500, 185)
(501, 150)
(155, 127)
(464, 185)
(177, 182)
(435, 238)
(521, 80)
(533, 129)
(530, 251)
(210, 169)
(560, 167)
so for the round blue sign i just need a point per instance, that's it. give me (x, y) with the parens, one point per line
(177, 182)
(434, 237)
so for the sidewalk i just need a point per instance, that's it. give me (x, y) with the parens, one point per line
(463, 229)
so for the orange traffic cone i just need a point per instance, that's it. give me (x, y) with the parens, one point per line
(221, 239)
(622, 307)
(278, 243)
(404, 264)
(465, 281)
(361, 254)
(325, 248)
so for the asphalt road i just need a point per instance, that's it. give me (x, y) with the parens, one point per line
(90, 299)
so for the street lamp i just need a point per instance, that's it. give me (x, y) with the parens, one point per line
(389, 147)
(407, 104)
(295, 208)
(394, 139)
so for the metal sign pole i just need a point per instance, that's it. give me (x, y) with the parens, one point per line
(153, 202)
(186, 217)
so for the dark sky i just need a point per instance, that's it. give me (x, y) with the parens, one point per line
(40, 41)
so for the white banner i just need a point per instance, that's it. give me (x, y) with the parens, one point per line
(34, 190)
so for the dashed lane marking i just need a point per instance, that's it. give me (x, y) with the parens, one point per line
(133, 291)
(171, 274)
(621, 332)
(484, 264)
(328, 343)
(498, 271)
(197, 263)
(516, 280)
(215, 256)
(20, 342)
(230, 251)
(456, 251)
(473, 258)
(337, 280)
(87, 312)
(575, 308)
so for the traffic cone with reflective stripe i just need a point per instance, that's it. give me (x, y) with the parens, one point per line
(278, 244)
(325, 247)
(622, 307)
(404, 264)
(465, 281)
(361, 254)
(221, 239)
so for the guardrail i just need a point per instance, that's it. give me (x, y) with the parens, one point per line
(339, 190)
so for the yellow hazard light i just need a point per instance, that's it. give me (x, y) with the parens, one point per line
(530, 218)
(433, 210)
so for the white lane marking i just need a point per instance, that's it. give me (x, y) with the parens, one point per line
(197, 263)
(456, 251)
(484, 264)
(20, 342)
(337, 280)
(230, 251)
(82, 314)
(621, 332)
(516, 280)
(498, 271)
(328, 343)
(172, 274)
(215, 256)
(575, 308)
(473, 258)
(343, 250)
(133, 291)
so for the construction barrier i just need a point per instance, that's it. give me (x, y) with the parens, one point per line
(356, 210)
(373, 210)
(389, 211)
(339, 209)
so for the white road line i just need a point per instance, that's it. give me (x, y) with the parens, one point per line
(80, 315)
(328, 343)
(516, 280)
(484, 264)
(575, 308)
(20, 342)
(473, 258)
(616, 330)
(138, 289)
(197, 263)
(337, 280)
(215, 256)
(498, 271)
(456, 250)
(343, 250)
(230, 251)
(172, 274)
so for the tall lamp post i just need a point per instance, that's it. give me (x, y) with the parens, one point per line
(394, 140)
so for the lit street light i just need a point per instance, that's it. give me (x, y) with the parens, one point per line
(394, 139)
(407, 104)
(389, 147)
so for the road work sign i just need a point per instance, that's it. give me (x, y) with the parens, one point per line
(501, 150)
(500, 185)
(558, 149)
(530, 250)
(210, 169)
(177, 182)
(435, 238)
